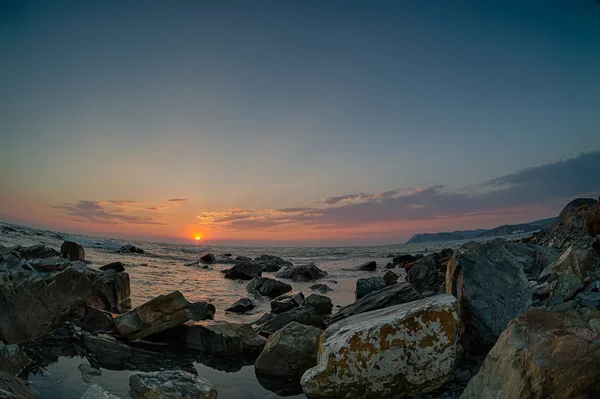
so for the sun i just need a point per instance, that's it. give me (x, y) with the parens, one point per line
(198, 238)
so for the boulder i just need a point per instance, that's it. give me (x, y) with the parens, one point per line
(566, 278)
(50, 264)
(541, 355)
(401, 260)
(72, 251)
(286, 302)
(130, 249)
(399, 351)
(322, 288)
(208, 258)
(589, 299)
(320, 303)
(389, 296)
(13, 387)
(242, 305)
(390, 277)
(111, 353)
(290, 351)
(271, 264)
(301, 273)
(268, 287)
(13, 360)
(172, 384)
(304, 315)
(222, 338)
(569, 227)
(37, 251)
(97, 392)
(98, 320)
(244, 271)
(158, 314)
(492, 289)
(369, 266)
(202, 311)
(116, 266)
(591, 224)
(424, 276)
(32, 308)
(367, 285)
(588, 263)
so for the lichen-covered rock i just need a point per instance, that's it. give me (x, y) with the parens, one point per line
(171, 384)
(541, 355)
(72, 251)
(223, 338)
(365, 286)
(158, 314)
(394, 352)
(14, 388)
(290, 351)
(97, 392)
(268, 287)
(566, 278)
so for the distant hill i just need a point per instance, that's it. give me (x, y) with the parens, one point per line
(499, 231)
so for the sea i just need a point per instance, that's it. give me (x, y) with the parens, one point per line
(162, 269)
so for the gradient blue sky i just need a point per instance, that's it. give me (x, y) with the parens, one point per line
(248, 108)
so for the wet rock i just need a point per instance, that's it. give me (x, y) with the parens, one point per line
(492, 289)
(202, 311)
(389, 296)
(14, 388)
(286, 302)
(13, 360)
(175, 384)
(97, 320)
(87, 372)
(535, 358)
(264, 318)
(130, 249)
(401, 260)
(242, 305)
(268, 287)
(290, 351)
(390, 277)
(97, 392)
(566, 278)
(156, 315)
(402, 350)
(320, 303)
(223, 338)
(424, 276)
(301, 273)
(244, 271)
(270, 263)
(208, 258)
(37, 251)
(367, 285)
(369, 266)
(116, 266)
(72, 251)
(51, 264)
(304, 315)
(110, 353)
(322, 288)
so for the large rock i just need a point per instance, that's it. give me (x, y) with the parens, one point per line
(130, 249)
(14, 388)
(202, 311)
(286, 302)
(97, 320)
(171, 384)
(50, 264)
(389, 296)
(111, 353)
(72, 251)
(116, 266)
(301, 273)
(424, 275)
(242, 305)
(268, 287)
(320, 303)
(566, 278)
(158, 314)
(541, 355)
(305, 314)
(401, 260)
(32, 308)
(222, 338)
(568, 229)
(13, 359)
(390, 277)
(244, 271)
(492, 289)
(271, 263)
(37, 251)
(369, 266)
(208, 258)
(290, 351)
(367, 285)
(591, 223)
(399, 351)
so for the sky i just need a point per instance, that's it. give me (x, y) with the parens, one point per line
(296, 123)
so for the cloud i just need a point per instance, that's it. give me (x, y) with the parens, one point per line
(157, 208)
(124, 202)
(103, 212)
(360, 197)
(177, 200)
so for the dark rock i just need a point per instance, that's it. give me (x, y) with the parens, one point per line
(281, 386)
(202, 311)
(171, 384)
(596, 246)
(242, 259)
(37, 251)
(221, 338)
(110, 353)
(156, 315)
(566, 278)
(367, 285)
(369, 266)
(130, 249)
(301, 273)
(51, 264)
(401, 260)
(589, 298)
(286, 302)
(320, 303)
(424, 275)
(97, 320)
(244, 271)
(227, 255)
(591, 224)
(14, 388)
(390, 266)
(13, 360)
(208, 258)
(395, 294)
(541, 291)
(390, 277)
(242, 305)
(322, 288)
(95, 391)
(588, 263)
(592, 287)
(116, 266)
(303, 315)
(270, 263)
(72, 251)
(264, 318)
(87, 372)
(268, 287)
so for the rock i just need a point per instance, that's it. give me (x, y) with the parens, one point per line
(304, 315)
(158, 314)
(222, 338)
(401, 260)
(290, 351)
(13, 387)
(492, 289)
(208, 258)
(37, 251)
(367, 285)
(51, 264)
(97, 320)
(242, 305)
(596, 246)
(541, 291)
(72, 251)
(566, 278)
(243, 259)
(588, 263)
(270, 263)
(87, 372)
(322, 288)
(535, 358)
(591, 224)
(13, 360)
(569, 227)
(423, 275)
(202, 311)
(301, 273)
(97, 392)
(390, 277)
(32, 308)
(320, 303)
(286, 302)
(264, 318)
(173, 384)
(116, 266)
(589, 298)
(109, 352)
(244, 271)
(130, 249)
(268, 287)
(390, 265)
(403, 350)
(369, 266)
(393, 295)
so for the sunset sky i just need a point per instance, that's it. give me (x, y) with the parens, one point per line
(301, 122)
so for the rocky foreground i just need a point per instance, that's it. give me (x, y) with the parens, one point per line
(489, 320)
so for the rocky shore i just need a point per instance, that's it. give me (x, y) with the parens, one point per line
(502, 319)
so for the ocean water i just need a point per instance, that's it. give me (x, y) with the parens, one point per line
(161, 269)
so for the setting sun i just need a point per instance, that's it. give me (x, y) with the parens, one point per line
(198, 238)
